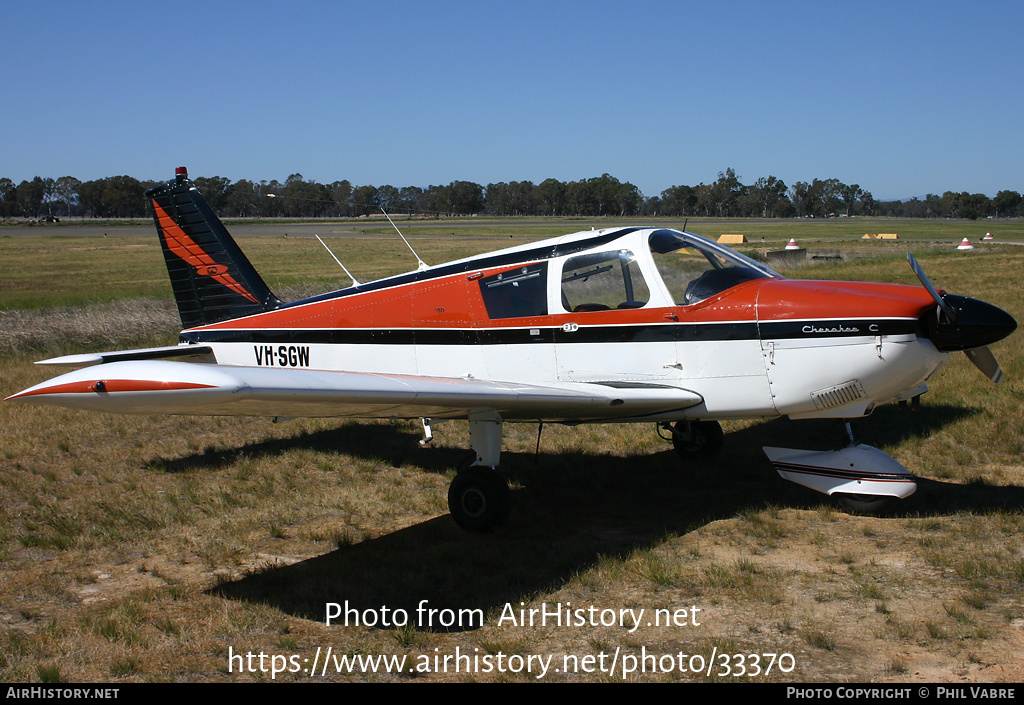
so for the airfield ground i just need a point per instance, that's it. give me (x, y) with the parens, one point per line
(162, 548)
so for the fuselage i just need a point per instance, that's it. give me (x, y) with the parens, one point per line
(626, 307)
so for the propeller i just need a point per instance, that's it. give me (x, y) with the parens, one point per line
(985, 361)
(962, 323)
(919, 271)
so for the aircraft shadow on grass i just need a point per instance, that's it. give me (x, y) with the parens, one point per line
(571, 512)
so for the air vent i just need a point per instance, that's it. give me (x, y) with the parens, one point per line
(840, 395)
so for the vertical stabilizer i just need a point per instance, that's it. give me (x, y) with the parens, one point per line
(212, 279)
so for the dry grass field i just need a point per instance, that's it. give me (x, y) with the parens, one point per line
(183, 548)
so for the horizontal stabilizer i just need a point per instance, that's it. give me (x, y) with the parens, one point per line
(187, 353)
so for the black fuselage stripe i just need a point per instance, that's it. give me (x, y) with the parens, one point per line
(657, 332)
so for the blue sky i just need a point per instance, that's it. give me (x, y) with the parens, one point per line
(903, 98)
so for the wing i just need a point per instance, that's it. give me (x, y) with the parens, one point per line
(164, 387)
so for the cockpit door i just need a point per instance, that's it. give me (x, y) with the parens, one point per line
(606, 332)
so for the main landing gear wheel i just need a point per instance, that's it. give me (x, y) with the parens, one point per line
(479, 499)
(866, 503)
(697, 438)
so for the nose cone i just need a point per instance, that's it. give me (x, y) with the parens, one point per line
(977, 324)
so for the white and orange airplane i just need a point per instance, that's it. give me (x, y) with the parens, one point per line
(629, 324)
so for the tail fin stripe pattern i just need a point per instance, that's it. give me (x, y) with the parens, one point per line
(182, 245)
(212, 279)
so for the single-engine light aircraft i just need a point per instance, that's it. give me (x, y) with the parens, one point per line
(627, 324)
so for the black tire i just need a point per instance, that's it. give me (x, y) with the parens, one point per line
(866, 503)
(706, 441)
(479, 499)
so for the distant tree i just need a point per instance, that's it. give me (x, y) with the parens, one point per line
(215, 191)
(66, 190)
(462, 198)
(783, 208)
(8, 198)
(580, 198)
(867, 203)
(951, 204)
(513, 199)
(823, 198)
(31, 195)
(850, 195)
(124, 197)
(305, 199)
(363, 200)
(1007, 204)
(426, 201)
(616, 198)
(271, 202)
(975, 205)
(386, 197)
(551, 197)
(651, 207)
(798, 197)
(725, 193)
(679, 201)
(408, 197)
(90, 197)
(242, 199)
(341, 194)
(765, 194)
(705, 202)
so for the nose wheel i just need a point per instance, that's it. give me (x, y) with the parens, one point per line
(479, 499)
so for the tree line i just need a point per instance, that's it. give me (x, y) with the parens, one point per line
(727, 196)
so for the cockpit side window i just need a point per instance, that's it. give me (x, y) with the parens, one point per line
(602, 281)
(693, 270)
(517, 293)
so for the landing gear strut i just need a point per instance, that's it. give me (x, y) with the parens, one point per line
(479, 498)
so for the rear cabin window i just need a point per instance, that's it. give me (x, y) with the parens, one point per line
(517, 293)
(603, 281)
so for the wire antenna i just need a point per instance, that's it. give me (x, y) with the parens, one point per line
(422, 264)
(354, 282)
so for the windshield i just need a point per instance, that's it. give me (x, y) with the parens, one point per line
(695, 268)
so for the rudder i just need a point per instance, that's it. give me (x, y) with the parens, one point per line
(211, 277)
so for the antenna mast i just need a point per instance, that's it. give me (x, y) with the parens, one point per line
(422, 264)
(354, 282)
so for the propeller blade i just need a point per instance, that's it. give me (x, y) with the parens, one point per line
(985, 361)
(919, 271)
